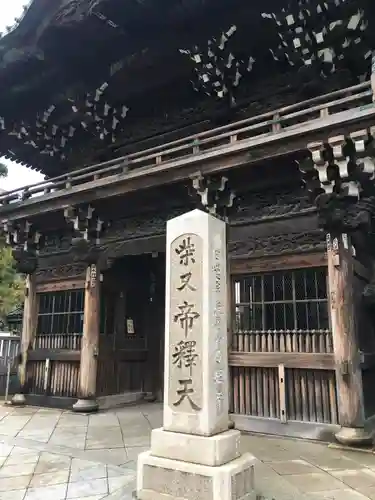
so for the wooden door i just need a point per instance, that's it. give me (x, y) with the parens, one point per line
(130, 345)
(123, 345)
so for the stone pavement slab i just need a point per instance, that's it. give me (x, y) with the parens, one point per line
(51, 454)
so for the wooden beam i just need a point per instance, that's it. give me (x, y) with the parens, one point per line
(218, 160)
(60, 285)
(278, 263)
(54, 355)
(344, 330)
(313, 361)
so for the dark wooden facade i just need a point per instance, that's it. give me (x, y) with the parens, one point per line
(91, 238)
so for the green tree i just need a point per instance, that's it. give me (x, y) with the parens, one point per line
(3, 170)
(11, 283)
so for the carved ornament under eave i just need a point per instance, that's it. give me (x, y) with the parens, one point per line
(278, 245)
(256, 207)
(340, 178)
(62, 272)
(323, 34)
(74, 11)
(213, 195)
(26, 242)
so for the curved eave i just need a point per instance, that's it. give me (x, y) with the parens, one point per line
(59, 32)
(37, 14)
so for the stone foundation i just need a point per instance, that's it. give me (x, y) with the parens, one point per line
(19, 400)
(350, 436)
(165, 479)
(86, 406)
(212, 451)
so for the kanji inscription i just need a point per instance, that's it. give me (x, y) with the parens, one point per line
(185, 354)
(186, 251)
(196, 355)
(185, 378)
(218, 323)
(185, 392)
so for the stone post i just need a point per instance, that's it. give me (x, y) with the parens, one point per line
(345, 341)
(29, 326)
(195, 456)
(90, 343)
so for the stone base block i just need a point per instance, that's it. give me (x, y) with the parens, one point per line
(19, 400)
(86, 406)
(212, 451)
(349, 436)
(165, 479)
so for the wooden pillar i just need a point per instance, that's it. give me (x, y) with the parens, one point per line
(29, 326)
(90, 343)
(345, 340)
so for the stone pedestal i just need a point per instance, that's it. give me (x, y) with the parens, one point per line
(165, 479)
(350, 436)
(86, 406)
(195, 456)
(18, 400)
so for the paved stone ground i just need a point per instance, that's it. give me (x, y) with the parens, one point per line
(54, 455)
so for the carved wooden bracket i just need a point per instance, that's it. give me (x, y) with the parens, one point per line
(87, 228)
(215, 195)
(26, 242)
(339, 174)
(343, 166)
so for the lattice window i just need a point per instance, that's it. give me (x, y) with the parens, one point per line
(61, 313)
(283, 301)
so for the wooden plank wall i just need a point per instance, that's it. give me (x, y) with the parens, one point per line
(296, 384)
(120, 376)
(54, 378)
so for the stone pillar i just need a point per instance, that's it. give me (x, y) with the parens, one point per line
(90, 344)
(194, 455)
(29, 326)
(345, 341)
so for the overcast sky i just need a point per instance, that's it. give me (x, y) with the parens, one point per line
(18, 175)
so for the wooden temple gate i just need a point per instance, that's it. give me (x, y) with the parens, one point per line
(293, 350)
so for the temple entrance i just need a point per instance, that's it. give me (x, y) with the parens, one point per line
(131, 346)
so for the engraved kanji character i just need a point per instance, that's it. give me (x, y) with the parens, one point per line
(185, 354)
(219, 402)
(185, 282)
(219, 377)
(185, 392)
(186, 251)
(186, 316)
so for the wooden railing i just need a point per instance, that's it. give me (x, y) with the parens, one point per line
(264, 126)
(57, 341)
(307, 341)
